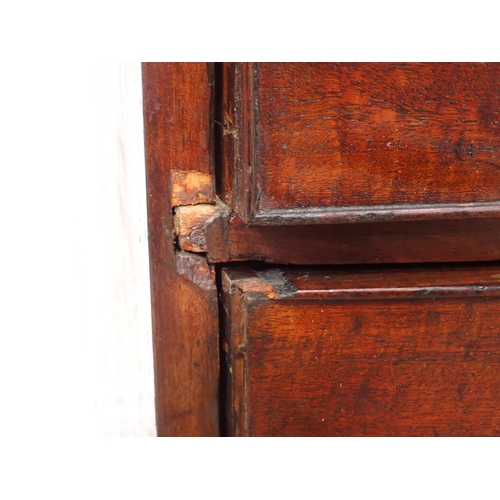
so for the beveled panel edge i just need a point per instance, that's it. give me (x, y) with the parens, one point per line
(234, 115)
(338, 215)
(251, 193)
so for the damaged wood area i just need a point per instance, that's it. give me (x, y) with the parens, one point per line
(269, 283)
(191, 225)
(218, 232)
(196, 270)
(191, 188)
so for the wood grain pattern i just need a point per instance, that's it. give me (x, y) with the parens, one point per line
(375, 352)
(177, 118)
(327, 142)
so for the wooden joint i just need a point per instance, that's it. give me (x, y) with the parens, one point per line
(191, 223)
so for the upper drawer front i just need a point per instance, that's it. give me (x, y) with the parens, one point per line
(325, 142)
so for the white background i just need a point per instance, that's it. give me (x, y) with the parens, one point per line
(76, 317)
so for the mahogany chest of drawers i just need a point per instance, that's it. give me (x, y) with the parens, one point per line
(323, 242)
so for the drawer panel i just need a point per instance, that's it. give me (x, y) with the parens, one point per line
(387, 352)
(337, 142)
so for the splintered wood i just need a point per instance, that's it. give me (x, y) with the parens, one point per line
(191, 224)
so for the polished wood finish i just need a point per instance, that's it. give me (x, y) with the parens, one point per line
(315, 165)
(324, 143)
(363, 352)
(177, 117)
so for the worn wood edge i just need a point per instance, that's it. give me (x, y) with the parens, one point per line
(245, 135)
(238, 131)
(196, 269)
(240, 287)
(234, 345)
(184, 294)
(273, 284)
(191, 224)
(331, 215)
(261, 284)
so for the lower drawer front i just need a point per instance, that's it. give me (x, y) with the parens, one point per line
(392, 352)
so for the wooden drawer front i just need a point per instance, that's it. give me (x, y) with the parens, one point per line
(390, 352)
(324, 142)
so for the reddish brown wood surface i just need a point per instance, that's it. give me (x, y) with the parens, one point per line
(224, 237)
(230, 239)
(338, 142)
(325, 351)
(375, 352)
(177, 117)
